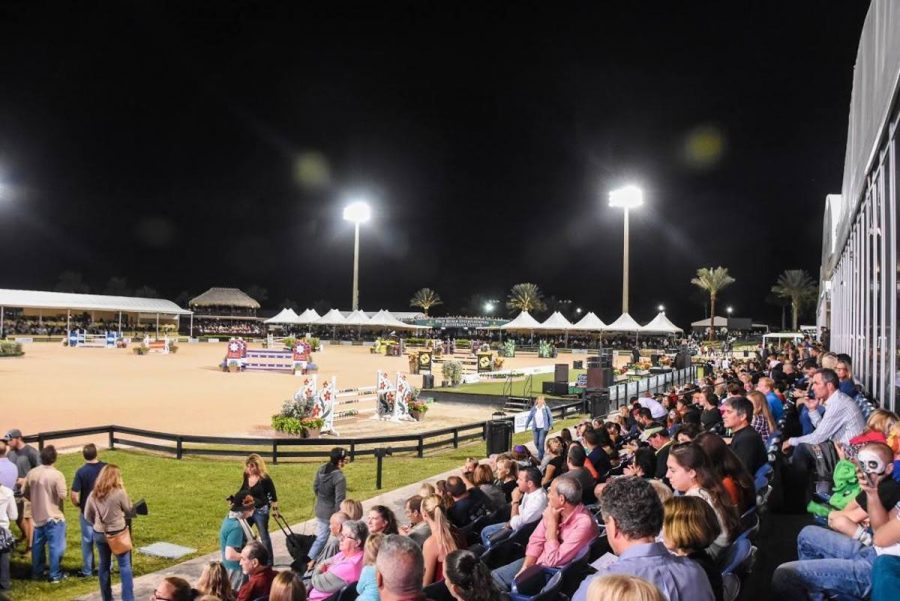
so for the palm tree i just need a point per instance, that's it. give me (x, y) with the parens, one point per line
(525, 297)
(425, 298)
(798, 286)
(712, 279)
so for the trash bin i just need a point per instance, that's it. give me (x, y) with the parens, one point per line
(499, 435)
(427, 380)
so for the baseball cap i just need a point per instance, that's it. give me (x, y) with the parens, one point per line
(338, 454)
(11, 434)
(646, 434)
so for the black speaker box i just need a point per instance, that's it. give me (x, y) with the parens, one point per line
(561, 373)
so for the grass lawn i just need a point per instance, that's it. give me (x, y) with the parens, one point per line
(187, 503)
(518, 386)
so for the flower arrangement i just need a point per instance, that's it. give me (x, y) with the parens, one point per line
(498, 362)
(452, 372)
(418, 406)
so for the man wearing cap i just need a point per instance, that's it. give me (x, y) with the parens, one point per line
(330, 488)
(235, 531)
(26, 458)
(658, 438)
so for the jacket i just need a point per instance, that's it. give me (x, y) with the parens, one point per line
(330, 487)
(548, 417)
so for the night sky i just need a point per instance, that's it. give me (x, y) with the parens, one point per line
(185, 145)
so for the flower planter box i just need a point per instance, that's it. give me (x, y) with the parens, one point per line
(311, 433)
(417, 416)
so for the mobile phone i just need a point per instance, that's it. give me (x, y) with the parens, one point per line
(865, 474)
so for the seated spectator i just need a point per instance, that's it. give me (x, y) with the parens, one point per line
(443, 540)
(691, 473)
(730, 470)
(381, 520)
(622, 587)
(287, 586)
(333, 544)
(689, 527)
(656, 409)
(468, 471)
(566, 527)
(399, 570)
(710, 416)
(643, 464)
(767, 386)
(523, 457)
(175, 588)
(852, 519)
(556, 464)
(615, 433)
(352, 508)
(254, 564)
(845, 377)
(483, 478)
(746, 443)
(417, 529)
(762, 421)
(468, 579)
(215, 581)
(367, 587)
(345, 567)
(687, 433)
(528, 504)
(596, 454)
(576, 463)
(658, 438)
(507, 476)
(468, 505)
(633, 516)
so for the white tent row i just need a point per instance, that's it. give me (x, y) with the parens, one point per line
(382, 319)
(591, 323)
(289, 317)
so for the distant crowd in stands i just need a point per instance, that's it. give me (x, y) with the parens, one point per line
(241, 327)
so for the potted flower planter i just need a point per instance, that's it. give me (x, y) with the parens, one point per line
(311, 433)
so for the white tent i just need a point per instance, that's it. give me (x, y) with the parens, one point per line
(285, 316)
(556, 322)
(384, 319)
(720, 322)
(590, 323)
(357, 318)
(307, 317)
(661, 325)
(625, 323)
(332, 318)
(523, 321)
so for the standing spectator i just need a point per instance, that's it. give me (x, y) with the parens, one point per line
(26, 458)
(106, 509)
(265, 499)
(287, 586)
(45, 488)
(468, 579)
(542, 419)
(82, 485)
(330, 488)
(633, 516)
(233, 533)
(9, 473)
(215, 581)
(344, 568)
(399, 569)
(255, 566)
(8, 514)
(745, 442)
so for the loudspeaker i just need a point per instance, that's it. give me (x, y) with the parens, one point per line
(682, 360)
(600, 377)
(654, 360)
(561, 372)
(555, 388)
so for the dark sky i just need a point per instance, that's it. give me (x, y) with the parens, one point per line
(185, 145)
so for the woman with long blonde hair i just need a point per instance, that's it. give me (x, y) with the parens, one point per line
(214, 581)
(265, 499)
(106, 509)
(763, 421)
(443, 539)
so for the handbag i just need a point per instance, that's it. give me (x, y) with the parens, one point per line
(7, 540)
(119, 542)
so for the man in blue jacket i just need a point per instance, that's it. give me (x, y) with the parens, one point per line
(543, 421)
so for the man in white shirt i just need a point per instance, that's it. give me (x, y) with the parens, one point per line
(656, 408)
(529, 500)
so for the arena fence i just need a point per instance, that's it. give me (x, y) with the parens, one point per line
(274, 449)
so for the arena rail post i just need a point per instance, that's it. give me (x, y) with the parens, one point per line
(112, 438)
(274, 452)
(420, 450)
(352, 451)
(455, 438)
(40, 442)
(179, 447)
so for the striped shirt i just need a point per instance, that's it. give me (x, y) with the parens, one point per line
(842, 421)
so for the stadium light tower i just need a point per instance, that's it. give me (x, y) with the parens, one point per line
(627, 198)
(356, 212)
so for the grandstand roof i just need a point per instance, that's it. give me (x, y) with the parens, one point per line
(224, 297)
(39, 299)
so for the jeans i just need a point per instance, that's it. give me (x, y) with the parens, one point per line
(828, 562)
(261, 519)
(886, 578)
(87, 546)
(539, 435)
(322, 531)
(124, 561)
(5, 582)
(489, 530)
(504, 575)
(53, 536)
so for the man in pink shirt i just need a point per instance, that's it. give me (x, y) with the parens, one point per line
(565, 529)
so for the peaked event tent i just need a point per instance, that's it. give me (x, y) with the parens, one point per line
(661, 325)
(357, 318)
(556, 322)
(590, 323)
(308, 316)
(523, 321)
(625, 323)
(720, 322)
(332, 318)
(284, 316)
(384, 319)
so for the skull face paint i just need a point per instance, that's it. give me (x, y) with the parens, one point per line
(871, 463)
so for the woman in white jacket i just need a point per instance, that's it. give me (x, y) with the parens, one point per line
(8, 513)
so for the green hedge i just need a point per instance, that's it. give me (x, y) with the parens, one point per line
(9, 348)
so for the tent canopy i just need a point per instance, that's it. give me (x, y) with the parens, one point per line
(590, 323)
(285, 316)
(332, 318)
(357, 318)
(661, 325)
(38, 299)
(523, 321)
(625, 323)
(384, 319)
(720, 322)
(307, 317)
(556, 322)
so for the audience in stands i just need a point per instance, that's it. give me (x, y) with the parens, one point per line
(444, 539)
(418, 529)
(468, 503)
(345, 567)
(730, 470)
(259, 574)
(737, 412)
(689, 527)
(381, 520)
(577, 471)
(215, 581)
(399, 569)
(468, 579)
(287, 586)
(367, 587)
(529, 500)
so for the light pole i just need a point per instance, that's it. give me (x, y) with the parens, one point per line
(627, 198)
(357, 212)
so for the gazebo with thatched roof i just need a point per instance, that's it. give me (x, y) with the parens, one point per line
(227, 306)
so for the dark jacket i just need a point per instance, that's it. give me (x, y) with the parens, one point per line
(330, 487)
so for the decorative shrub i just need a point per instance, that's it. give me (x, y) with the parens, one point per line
(10, 348)
(418, 406)
(452, 372)
(463, 343)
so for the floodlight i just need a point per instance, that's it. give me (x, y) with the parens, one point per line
(357, 212)
(628, 197)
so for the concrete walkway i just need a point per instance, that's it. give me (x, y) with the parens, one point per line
(145, 585)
